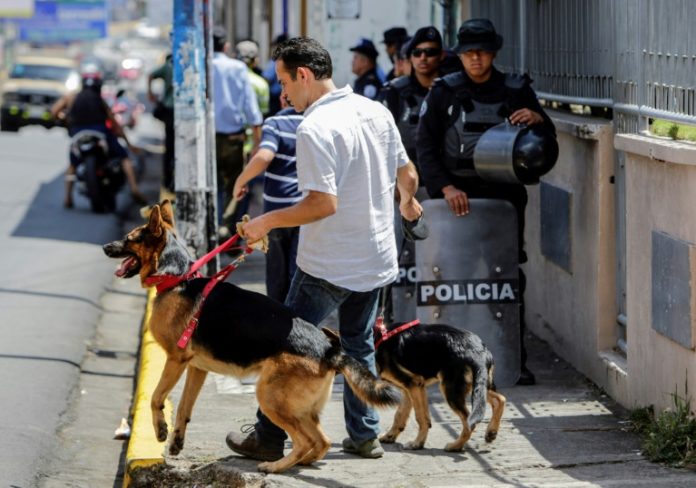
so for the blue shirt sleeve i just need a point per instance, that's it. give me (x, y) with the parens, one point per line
(270, 136)
(251, 104)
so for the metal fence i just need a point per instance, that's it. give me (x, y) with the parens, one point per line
(636, 56)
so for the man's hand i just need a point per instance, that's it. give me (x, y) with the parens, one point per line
(255, 229)
(239, 190)
(525, 116)
(457, 200)
(411, 209)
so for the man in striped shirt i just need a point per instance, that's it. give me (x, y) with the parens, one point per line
(276, 156)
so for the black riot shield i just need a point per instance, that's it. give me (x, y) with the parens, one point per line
(468, 277)
(403, 290)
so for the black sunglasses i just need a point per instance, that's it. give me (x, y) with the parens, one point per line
(428, 51)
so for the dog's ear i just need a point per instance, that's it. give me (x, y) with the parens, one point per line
(333, 336)
(155, 223)
(167, 212)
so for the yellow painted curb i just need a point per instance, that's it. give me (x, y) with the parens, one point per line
(143, 447)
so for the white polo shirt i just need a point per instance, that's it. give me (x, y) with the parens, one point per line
(349, 146)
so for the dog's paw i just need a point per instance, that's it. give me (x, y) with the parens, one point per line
(491, 436)
(388, 438)
(414, 446)
(176, 446)
(454, 446)
(267, 467)
(161, 431)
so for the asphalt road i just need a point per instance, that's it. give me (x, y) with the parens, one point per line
(53, 273)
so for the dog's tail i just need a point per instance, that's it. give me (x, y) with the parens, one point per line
(364, 384)
(478, 395)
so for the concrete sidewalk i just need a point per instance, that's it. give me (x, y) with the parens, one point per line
(562, 432)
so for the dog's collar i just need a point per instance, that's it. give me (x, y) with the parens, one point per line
(167, 281)
(382, 334)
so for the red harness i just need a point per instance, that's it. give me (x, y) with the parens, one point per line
(382, 334)
(167, 282)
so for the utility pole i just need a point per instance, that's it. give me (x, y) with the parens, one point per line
(195, 173)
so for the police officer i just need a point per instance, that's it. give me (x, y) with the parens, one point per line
(403, 96)
(394, 39)
(364, 66)
(458, 109)
(402, 62)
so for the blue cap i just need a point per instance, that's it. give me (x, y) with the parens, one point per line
(366, 47)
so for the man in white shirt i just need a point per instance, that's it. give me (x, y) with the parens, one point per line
(349, 160)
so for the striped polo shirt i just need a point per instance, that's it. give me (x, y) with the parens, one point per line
(280, 184)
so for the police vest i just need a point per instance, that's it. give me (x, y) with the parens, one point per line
(87, 109)
(367, 85)
(410, 102)
(470, 118)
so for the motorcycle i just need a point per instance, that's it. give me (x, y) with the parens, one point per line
(98, 176)
(126, 109)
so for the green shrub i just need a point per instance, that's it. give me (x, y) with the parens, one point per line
(669, 437)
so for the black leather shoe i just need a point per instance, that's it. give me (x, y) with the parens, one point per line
(526, 377)
(250, 446)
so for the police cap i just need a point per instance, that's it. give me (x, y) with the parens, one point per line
(424, 34)
(395, 35)
(366, 47)
(478, 34)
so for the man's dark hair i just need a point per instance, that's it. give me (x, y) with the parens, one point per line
(304, 52)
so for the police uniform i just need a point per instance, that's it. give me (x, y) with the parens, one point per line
(403, 97)
(368, 85)
(453, 116)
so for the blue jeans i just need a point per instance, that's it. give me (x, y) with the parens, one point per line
(280, 261)
(313, 299)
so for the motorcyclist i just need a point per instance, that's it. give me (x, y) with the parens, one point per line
(87, 110)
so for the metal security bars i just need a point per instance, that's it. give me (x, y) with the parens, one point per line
(635, 56)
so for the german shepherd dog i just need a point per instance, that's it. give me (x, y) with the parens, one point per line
(457, 359)
(240, 333)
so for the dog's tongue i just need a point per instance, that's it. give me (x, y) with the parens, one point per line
(125, 265)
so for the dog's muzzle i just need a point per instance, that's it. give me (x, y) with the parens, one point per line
(130, 266)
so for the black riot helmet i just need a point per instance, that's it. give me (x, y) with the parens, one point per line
(534, 154)
(508, 153)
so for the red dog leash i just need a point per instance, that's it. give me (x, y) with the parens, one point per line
(385, 334)
(167, 282)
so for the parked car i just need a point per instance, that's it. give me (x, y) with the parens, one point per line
(33, 85)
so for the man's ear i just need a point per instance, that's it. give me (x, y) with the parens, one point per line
(304, 74)
(155, 223)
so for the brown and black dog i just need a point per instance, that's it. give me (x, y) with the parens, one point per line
(457, 359)
(240, 333)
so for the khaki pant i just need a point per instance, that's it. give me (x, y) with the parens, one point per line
(229, 150)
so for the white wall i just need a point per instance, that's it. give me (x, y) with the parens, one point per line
(338, 35)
